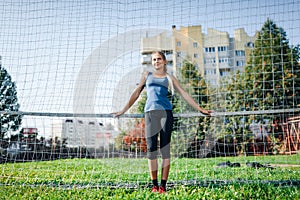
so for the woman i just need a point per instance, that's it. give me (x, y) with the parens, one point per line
(158, 115)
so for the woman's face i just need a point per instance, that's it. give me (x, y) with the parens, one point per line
(158, 62)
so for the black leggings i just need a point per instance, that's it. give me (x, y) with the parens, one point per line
(158, 122)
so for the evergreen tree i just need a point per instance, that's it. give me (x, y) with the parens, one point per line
(9, 106)
(272, 75)
(192, 79)
(190, 132)
(270, 81)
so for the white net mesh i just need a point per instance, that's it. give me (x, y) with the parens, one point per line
(75, 62)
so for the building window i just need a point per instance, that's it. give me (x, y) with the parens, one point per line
(178, 54)
(210, 72)
(240, 63)
(209, 60)
(195, 44)
(209, 49)
(196, 55)
(224, 73)
(240, 53)
(223, 60)
(250, 44)
(222, 48)
(178, 44)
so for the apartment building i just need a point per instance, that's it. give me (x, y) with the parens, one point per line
(161, 42)
(215, 54)
(85, 133)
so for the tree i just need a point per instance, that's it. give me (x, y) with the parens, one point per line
(9, 106)
(190, 132)
(193, 82)
(273, 75)
(270, 81)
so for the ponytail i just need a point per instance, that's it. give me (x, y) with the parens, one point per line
(171, 86)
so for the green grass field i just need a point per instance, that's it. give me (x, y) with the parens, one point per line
(121, 178)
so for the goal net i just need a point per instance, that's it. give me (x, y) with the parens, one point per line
(67, 65)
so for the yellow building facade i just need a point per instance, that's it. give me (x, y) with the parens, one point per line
(215, 54)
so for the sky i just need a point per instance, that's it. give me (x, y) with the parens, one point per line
(47, 44)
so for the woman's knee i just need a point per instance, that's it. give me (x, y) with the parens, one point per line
(152, 155)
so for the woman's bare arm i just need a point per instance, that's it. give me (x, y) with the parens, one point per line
(188, 98)
(134, 96)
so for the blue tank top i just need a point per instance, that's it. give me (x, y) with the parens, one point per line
(157, 94)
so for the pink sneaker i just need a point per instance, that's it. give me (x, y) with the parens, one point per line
(162, 190)
(155, 189)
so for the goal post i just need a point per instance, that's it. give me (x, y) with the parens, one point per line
(66, 66)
